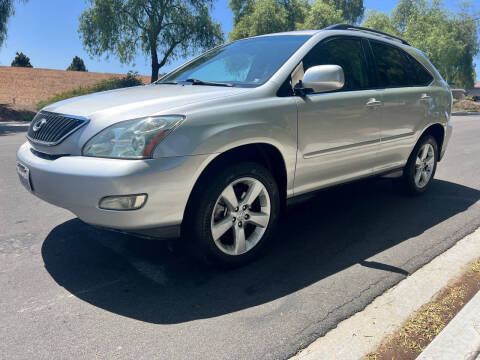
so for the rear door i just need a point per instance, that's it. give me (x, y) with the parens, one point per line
(407, 99)
(339, 131)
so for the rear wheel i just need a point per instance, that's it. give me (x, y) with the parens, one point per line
(421, 166)
(233, 214)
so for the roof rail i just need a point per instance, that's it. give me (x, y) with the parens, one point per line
(359, 28)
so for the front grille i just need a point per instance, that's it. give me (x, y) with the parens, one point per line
(49, 128)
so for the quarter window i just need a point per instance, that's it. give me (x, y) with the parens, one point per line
(347, 53)
(423, 77)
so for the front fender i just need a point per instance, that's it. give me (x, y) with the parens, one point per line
(221, 128)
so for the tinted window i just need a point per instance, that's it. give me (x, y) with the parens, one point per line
(423, 77)
(397, 69)
(249, 62)
(393, 67)
(347, 53)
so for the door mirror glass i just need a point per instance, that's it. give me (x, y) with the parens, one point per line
(323, 78)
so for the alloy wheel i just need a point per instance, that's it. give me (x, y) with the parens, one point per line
(424, 165)
(240, 216)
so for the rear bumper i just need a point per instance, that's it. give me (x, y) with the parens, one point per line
(446, 139)
(77, 183)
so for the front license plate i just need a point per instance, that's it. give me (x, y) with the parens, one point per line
(24, 176)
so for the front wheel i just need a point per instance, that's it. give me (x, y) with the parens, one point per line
(421, 166)
(233, 214)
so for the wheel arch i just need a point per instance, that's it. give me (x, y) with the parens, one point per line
(265, 154)
(436, 130)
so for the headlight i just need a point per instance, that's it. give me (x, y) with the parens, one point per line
(132, 139)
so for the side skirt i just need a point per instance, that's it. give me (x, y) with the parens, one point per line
(389, 174)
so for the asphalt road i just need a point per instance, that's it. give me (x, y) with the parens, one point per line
(70, 291)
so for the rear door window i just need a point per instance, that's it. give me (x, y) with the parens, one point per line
(393, 67)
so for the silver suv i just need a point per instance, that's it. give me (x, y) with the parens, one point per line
(213, 150)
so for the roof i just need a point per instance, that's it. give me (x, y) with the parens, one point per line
(366, 30)
(344, 28)
(297, 32)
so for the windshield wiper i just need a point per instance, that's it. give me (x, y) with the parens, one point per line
(166, 82)
(209, 83)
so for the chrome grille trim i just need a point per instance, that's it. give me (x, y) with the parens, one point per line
(56, 129)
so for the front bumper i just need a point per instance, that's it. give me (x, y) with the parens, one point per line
(77, 183)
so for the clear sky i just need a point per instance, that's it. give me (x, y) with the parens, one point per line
(46, 31)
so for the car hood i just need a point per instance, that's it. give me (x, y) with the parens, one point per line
(140, 101)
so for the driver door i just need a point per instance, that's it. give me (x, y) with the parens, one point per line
(339, 131)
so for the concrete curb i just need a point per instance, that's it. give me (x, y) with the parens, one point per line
(461, 337)
(14, 123)
(362, 333)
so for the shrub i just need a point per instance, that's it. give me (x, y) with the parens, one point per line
(128, 80)
(466, 106)
(21, 60)
(77, 65)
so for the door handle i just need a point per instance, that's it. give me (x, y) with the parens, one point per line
(425, 97)
(373, 103)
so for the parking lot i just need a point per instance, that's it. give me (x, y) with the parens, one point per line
(72, 291)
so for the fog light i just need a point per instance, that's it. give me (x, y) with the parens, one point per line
(123, 202)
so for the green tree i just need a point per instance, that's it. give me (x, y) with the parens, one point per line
(162, 29)
(352, 10)
(405, 10)
(257, 17)
(21, 60)
(380, 21)
(7, 10)
(321, 15)
(240, 8)
(77, 65)
(467, 30)
(268, 16)
(297, 11)
(449, 39)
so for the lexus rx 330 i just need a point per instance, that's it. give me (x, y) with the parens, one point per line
(213, 150)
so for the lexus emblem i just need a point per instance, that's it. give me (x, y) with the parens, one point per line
(38, 125)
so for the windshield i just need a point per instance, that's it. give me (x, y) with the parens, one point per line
(243, 63)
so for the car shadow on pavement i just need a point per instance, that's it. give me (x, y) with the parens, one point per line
(337, 228)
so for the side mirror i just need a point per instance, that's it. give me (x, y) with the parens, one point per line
(321, 78)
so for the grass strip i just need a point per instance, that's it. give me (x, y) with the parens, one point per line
(428, 321)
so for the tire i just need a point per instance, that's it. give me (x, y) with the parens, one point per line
(416, 181)
(212, 209)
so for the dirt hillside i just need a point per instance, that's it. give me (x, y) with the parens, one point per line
(25, 87)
